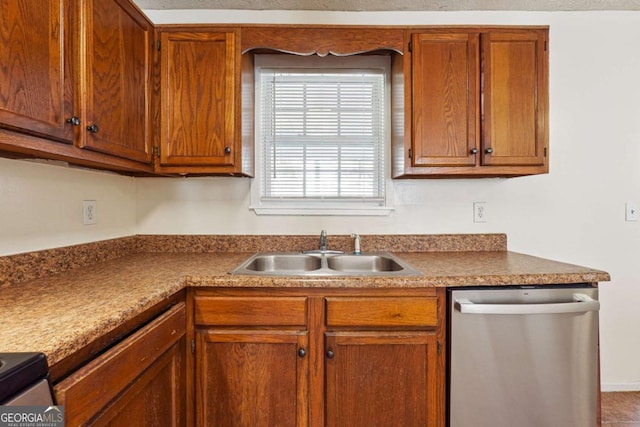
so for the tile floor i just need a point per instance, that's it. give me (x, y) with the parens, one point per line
(621, 409)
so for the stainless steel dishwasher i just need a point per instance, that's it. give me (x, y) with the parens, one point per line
(523, 356)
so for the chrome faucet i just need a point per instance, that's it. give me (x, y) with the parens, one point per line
(323, 246)
(323, 241)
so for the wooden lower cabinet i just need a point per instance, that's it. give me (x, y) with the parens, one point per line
(138, 382)
(151, 399)
(318, 357)
(380, 378)
(251, 378)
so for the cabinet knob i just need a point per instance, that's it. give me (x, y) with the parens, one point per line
(93, 128)
(488, 150)
(302, 352)
(474, 151)
(330, 354)
(75, 121)
(227, 150)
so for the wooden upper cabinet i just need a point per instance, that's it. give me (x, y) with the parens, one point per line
(198, 93)
(465, 101)
(117, 68)
(515, 90)
(200, 97)
(445, 99)
(35, 78)
(476, 103)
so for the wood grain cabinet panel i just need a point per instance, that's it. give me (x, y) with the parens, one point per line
(154, 399)
(252, 361)
(199, 75)
(140, 381)
(350, 358)
(248, 311)
(252, 378)
(199, 85)
(323, 41)
(36, 77)
(76, 72)
(382, 379)
(514, 112)
(466, 101)
(445, 99)
(117, 67)
(476, 103)
(384, 360)
(382, 311)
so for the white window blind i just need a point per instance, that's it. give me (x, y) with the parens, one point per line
(322, 135)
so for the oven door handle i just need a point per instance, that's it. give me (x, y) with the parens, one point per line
(582, 304)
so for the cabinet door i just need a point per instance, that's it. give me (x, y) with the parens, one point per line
(445, 99)
(35, 76)
(383, 379)
(252, 378)
(138, 382)
(198, 99)
(156, 398)
(117, 72)
(515, 94)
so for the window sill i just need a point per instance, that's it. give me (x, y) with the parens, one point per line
(332, 211)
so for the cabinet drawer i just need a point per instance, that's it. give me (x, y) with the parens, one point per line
(248, 311)
(387, 311)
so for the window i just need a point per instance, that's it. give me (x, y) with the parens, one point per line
(321, 133)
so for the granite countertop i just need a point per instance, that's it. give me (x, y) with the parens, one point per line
(62, 313)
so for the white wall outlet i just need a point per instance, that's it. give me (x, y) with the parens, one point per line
(480, 212)
(631, 212)
(89, 212)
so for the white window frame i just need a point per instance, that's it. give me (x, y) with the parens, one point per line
(322, 207)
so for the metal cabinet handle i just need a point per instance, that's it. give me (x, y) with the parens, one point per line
(582, 303)
(488, 150)
(474, 151)
(302, 352)
(227, 150)
(93, 128)
(330, 354)
(75, 121)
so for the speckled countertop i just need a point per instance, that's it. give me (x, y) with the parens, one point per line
(62, 313)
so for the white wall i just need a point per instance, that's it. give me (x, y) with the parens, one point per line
(41, 205)
(573, 214)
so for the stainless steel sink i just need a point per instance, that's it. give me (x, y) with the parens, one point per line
(363, 263)
(285, 263)
(324, 264)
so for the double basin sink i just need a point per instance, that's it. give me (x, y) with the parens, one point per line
(324, 264)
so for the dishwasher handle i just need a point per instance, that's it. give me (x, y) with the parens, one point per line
(582, 303)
